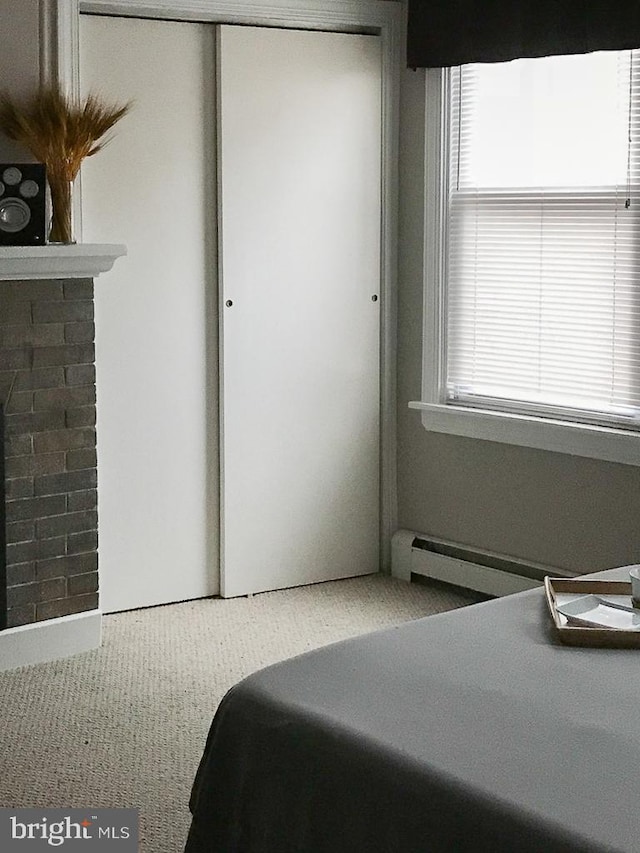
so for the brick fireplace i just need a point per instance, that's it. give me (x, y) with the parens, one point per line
(47, 390)
(48, 488)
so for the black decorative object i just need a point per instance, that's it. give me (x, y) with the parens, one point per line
(455, 32)
(22, 204)
(60, 131)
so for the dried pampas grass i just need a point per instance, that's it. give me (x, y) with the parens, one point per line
(60, 132)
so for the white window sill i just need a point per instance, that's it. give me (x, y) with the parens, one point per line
(596, 442)
(80, 260)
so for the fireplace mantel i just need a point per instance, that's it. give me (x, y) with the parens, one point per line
(80, 260)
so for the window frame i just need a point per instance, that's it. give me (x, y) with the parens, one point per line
(608, 443)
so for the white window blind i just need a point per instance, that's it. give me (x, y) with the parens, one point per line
(542, 257)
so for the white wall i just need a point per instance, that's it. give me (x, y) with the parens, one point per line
(19, 59)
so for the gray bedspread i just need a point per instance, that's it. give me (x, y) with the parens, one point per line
(473, 730)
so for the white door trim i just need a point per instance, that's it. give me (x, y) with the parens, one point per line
(60, 54)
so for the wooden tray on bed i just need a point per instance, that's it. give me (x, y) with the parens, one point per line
(559, 590)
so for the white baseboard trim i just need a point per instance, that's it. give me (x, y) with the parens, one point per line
(50, 640)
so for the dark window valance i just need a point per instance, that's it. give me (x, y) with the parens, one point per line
(454, 32)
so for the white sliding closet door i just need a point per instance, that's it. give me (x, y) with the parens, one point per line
(153, 188)
(299, 129)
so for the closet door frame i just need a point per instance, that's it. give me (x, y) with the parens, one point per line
(59, 52)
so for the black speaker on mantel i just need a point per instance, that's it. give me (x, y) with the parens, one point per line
(22, 204)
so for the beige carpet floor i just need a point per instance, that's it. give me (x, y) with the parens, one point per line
(125, 725)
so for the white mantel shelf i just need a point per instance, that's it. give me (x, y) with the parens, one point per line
(80, 260)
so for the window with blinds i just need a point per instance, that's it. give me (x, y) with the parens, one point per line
(542, 238)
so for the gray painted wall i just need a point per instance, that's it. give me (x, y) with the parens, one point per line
(564, 511)
(19, 59)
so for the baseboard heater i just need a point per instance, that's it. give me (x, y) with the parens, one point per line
(483, 571)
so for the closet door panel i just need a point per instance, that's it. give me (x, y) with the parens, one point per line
(299, 217)
(153, 188)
